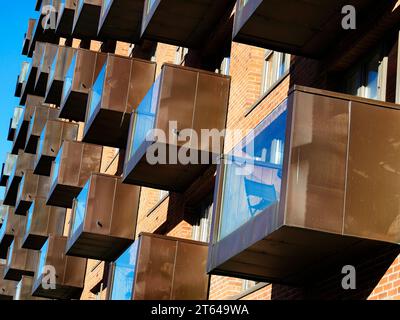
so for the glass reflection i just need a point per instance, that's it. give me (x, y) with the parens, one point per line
(29, 219)
(42, 259)
(56, 168)
(253, 173)
(80, 208)
(3, 227)
(69, 78)
(96, 92)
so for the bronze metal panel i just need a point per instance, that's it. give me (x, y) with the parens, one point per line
(22, 129)
(51, 139)
(59, 68)
(12, 225)
(189, 24)
(28, 36)
(65, 18)
(70, 272)
(30, 187)
(46, 60)
(126, 83)
(121, 20)
(20, 261)
(372, 205)
(7, 287)
(36, 125)
(44, 220)
(86, 19)
(109, 221)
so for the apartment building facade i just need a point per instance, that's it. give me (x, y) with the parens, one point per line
(301, 186)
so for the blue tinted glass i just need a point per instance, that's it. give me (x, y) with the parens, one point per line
(29, 219)
(56, 168)
(124, 274)
(20, 187)
(253, 173)
(52, 72)
(145, 116)
(97, 90)
(80, 207)
(10, 253)
(3, 227)
(42, 259)
(68, 78)
(41, 142)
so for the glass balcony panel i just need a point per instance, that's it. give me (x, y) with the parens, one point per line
(80, 208)
(97, 92)
(42, 259)
(69, 78)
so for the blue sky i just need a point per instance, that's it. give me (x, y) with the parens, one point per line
(14, 17)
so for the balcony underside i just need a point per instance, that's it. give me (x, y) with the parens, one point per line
(62, 196)
(16, 274)
(41, 84)
(43, 165)
(74, 107)
(31, 144)
(34, 241)
(18, 90)
(65, 23)
(61, 292)
(20, 139)
(5, 244)
(54, 93)
(86, 24)
(10, 196)
(22, 207)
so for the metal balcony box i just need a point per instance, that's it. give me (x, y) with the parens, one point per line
(65, 18)
(73, 166)
(7, 287)
(83, 69)
(21, 79)
(44, 68)
(38, 120)
(70, 271)
(304, 193)
(14, 121)
(20, 262)
(42, 221)
(30, 187)
(7, 168)
(183, 23)
(24, 162)
(22, 129)
(119, 88)
(12, 225)
(170, 121)
(305, 28)
(161, 268)
(58, 71)
(121, 20)
(86, 19)
(28, 36)
(50, 141)
(104, 218)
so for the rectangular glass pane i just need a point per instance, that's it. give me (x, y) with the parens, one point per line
(56, 168)
(11, 251)
(18, 113)
(253, 173)
(41, 142)
(42, 259)
(80, 208)
(29, 219)
(69, 78)
(52, 70)
(97, 91)
(372, 85)
(124, 274)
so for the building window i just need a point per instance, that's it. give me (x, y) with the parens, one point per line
(367, 78)
(202, 227)
(276, 65)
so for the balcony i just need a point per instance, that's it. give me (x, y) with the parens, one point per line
(30, 187)
(12, 225)
(304, 193)
(43, 221)
(38, 120)
(118, 90)
(42, 75)
(7, 168)
(179, 102)
(24, 162)
(305, 28)
(58, 71)
(86, 19)
(21, 79)
(70, 271)
(65, 18)
(50, 141)
(22, 129)
(84, 68)
(24, 290)
(7, 287)
(20, 262)
(141, 274)
(28, 36)
(74, 164)
(182, 23)
(104, 218)
(121, 20)
(18, 113)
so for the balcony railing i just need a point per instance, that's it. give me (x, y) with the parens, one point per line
(50, 141)
(24, 162)
(7, 168)
(65, 18)
(104, 218)
(183, 23)
(70, 271)
(303, 190)
(12, 225)
(119, 88)
(44, 68)
(74, 164)
(86, 19)
(177, 103)
(83, 69)
(28, 36)
(140, 273)
(14, 121)
(36, 125)
(21, 79)
(7, 287)
(121, 20)
(30, 187)
(58, 71)
(20, 262)
(42, 220)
